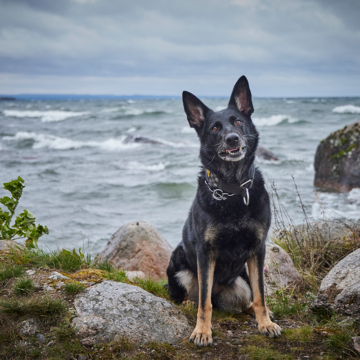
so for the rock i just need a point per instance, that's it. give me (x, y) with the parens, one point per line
(47, 287)
(340, 289)
(110, 310)
(337, 160)
(355, 343)
(138, 246)
(345, 273)
(279, 269)
(131, 275)
(28, 327)
(59, 285)
(262, 153)
(348, 301)
(57, 276)
(40, 338)
(6, 245)
(141, 139)
(338, 231)
(30, 272)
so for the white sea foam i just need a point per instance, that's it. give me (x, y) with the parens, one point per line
(187, 130)
(354, 196)
(59, 143)
(134, 165)
(273, 120)
(131, 130)
(180, 144)
(46, 116)
(110, 110)
(347, 109)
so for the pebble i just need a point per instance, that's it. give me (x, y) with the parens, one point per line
(30, 272)
(59, 285)
(28, 327)
(40, 338)
(57, 276)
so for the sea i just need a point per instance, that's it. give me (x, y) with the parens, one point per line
(85, 176)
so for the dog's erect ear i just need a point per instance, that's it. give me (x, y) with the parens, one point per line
(241, 97)
(195, 110)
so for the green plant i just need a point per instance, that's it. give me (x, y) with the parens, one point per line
(73, 288)
(260, 353)
(68, 260)
(23, 286)
(24, 225)
(11, 271)
(338, 343)
(35, 306)
(106, 266)
(156, 288)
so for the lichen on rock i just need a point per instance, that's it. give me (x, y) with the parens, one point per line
(337, 160)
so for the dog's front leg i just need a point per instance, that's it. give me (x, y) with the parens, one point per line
(256, 274)
(201, 336)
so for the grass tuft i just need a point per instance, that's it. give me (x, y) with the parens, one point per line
(283, 305)
(73, 288)
(23, 287)
(304, 333)
(11, 271)
(117, 275)
(339, 343)
(258, 353)
(35, 306)
(156, 288)
(106, 266)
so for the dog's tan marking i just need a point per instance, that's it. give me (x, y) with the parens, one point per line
(265, 325)
(202, 334)
(210, 234)
(187, 279)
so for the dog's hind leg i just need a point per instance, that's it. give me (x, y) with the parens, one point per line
(177, 288)
(256, 274)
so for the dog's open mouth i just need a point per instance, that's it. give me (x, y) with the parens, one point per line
(233, 151)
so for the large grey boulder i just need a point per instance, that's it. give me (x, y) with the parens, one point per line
(279, 270)
(340, 289)
(338, 231)
(6, 245)
(345, 273)
(337, 160)
(111, 310)
(138, 246)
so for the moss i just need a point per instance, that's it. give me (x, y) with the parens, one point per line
(304, 333)
(351, 147)
(23, 287)
(344, 140)
(339, 155)
(258, 353)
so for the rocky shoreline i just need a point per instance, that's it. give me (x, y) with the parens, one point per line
(127, 313)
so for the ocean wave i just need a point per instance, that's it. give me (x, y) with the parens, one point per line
(139, 112)
(134, 165)
(347, 109)
(187, 130)
(273, 120)
(58, 143)
(46, 116)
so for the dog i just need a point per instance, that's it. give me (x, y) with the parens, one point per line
(220, 260)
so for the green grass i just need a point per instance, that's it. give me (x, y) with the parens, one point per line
(283, 305)
(106, 266)
(23, 287)
(339, 343)
(156, 288)
(11, 271)
(258, 353)
(302, 334)
(34, 306)
(73, 288)
(70, 261)
(117, 275)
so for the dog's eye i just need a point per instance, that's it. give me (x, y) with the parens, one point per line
(215, 128)
(237, 122)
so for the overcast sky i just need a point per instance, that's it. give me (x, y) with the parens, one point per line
(161, 47)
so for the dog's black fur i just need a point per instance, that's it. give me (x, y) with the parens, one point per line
(224, 233)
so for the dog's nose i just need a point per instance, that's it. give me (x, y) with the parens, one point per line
(232, 139)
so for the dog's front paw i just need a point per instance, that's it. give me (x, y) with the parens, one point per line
(271, 329)
(271, 314)
(201, 337)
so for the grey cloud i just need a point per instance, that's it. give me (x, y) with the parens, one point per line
(176, 39)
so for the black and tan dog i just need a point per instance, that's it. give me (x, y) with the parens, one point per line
(228, 221)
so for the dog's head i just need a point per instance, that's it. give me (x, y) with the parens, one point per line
(229, 134)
